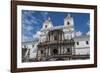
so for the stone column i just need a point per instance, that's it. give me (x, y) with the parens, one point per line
(62, 50)
(49, 51)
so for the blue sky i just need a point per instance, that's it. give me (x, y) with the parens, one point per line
(32, 22)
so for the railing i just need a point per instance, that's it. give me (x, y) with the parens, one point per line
(66, 42)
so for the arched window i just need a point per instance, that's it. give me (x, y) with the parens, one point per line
(68, 50)
(41, 51)
(68, 23)
(87, 42)
(77, 43)
(45, 26)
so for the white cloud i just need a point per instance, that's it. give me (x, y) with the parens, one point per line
(79, 33)
(27, 28)
(44, 15)
(25, 21)
(32, 21)
(88, 33)
(28, 13)
(37, 35)
(88, 23)
(29, 18)
(26, 38)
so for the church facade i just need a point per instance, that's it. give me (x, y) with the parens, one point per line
(61, 42)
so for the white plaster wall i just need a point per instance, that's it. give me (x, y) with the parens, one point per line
(82, 44)
(32, 55)
(30, 46)
(68, 35)
(82, 51)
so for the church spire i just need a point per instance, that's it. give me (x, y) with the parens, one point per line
(49, 19)
(68, 20)
(47, 23)
(69, 15)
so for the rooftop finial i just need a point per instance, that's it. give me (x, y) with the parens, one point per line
(49, 18)
(69, 15)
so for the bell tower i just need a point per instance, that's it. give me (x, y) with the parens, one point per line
(69, 27)
(68, 21)
(47, 24)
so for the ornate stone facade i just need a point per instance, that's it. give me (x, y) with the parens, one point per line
(57, 42)
(56, 47)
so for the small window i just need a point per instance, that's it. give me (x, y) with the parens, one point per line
(32, 45)
(77, 43)
(24, 46)
(55, 37)
(87, 42)
(41, 51)
(68, 23)
(68, 50)
(45, 26)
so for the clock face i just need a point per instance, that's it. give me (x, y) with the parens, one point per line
(55, 51)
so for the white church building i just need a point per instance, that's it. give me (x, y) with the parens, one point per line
(57, 43)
